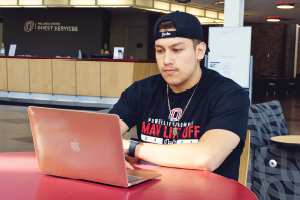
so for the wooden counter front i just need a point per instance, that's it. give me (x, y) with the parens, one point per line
(153, 69)
(40, 76)
(64, 77)
(88, 78)
(18, 75)
(76, 77)
(3, 75)
(117, 76)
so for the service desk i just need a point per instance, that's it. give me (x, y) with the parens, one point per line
(20, 179)
(69, 80)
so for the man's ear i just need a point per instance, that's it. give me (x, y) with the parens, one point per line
(200, 51)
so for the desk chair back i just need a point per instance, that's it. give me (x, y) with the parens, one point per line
(264, 121)
(276, 173)
(244, 161)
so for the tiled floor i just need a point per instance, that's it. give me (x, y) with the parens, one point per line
(15, 133)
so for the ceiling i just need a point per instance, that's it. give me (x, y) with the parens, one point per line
(258, 10)
(255, 10)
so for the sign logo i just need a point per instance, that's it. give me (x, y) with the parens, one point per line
(175, 114)
(29, 25)
(75, 146)
(48, 26)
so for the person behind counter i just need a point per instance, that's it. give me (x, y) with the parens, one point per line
(188, 116)
(106, 52)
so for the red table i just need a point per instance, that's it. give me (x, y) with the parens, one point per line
(21, 179)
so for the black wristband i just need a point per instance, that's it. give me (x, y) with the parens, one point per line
(132, 145)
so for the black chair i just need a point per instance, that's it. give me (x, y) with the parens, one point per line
(271, 86)
(292, 84)
(267, 180)
(264, 121)
(282, 85)
(260, 86)
(276, 173)
(102, 56)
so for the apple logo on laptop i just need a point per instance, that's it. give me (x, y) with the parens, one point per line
(75, 146)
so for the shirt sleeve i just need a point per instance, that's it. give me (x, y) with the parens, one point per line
(230, 112)
(126, 108)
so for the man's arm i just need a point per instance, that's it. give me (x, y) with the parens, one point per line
(124, 128)
(208, 154)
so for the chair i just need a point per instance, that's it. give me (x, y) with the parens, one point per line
(271, 85)
(282, 85)
(276, 173)
(264, 121)
(244, 161)
(260, 85)
(292, 84)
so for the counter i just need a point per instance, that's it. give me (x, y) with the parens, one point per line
(69, 81)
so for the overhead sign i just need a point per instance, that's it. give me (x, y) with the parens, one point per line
(48, 26)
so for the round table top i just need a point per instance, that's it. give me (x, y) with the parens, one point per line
(21, 179)
(286, 140)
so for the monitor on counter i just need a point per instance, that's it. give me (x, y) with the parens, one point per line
(12, 50)
(118, 52)
(102, 56)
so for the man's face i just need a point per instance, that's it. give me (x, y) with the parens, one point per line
(178, 61)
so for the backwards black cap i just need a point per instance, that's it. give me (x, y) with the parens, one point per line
(187, 26)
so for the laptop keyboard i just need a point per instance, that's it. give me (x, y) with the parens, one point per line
(133, 178)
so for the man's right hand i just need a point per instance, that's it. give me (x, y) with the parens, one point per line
(128, 165)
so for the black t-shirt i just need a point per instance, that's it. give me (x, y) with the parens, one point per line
(218, 103)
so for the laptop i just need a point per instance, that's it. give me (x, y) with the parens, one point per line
(82, 145)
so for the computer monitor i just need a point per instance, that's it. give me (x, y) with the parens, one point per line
(102, 56)
(118, 50)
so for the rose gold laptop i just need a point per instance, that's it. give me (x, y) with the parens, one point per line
(82, 145)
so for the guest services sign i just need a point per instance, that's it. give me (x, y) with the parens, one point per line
(47, 26)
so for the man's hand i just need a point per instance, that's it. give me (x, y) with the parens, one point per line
(126, 147)
(128, 166)
(126, 144)
(208, 154)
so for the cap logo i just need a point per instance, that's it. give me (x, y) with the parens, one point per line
(165, 34)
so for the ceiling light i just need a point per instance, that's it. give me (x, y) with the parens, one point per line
(34, 6)
(183, 1)
(285, 5)
(156, 10)
(115, 2)
(221, 16)
(175, 7)
(86, 6)
(83, 3)
(219, 21)
(273, 19)
(30, 2)
(10, 6)
(115, 6)
(161, 5)
(195, 11)
(56, 2)
(211, 14)
(219, 2)
(205, 20)
(9, 2)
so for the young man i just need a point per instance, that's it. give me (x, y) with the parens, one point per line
(187, 116)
